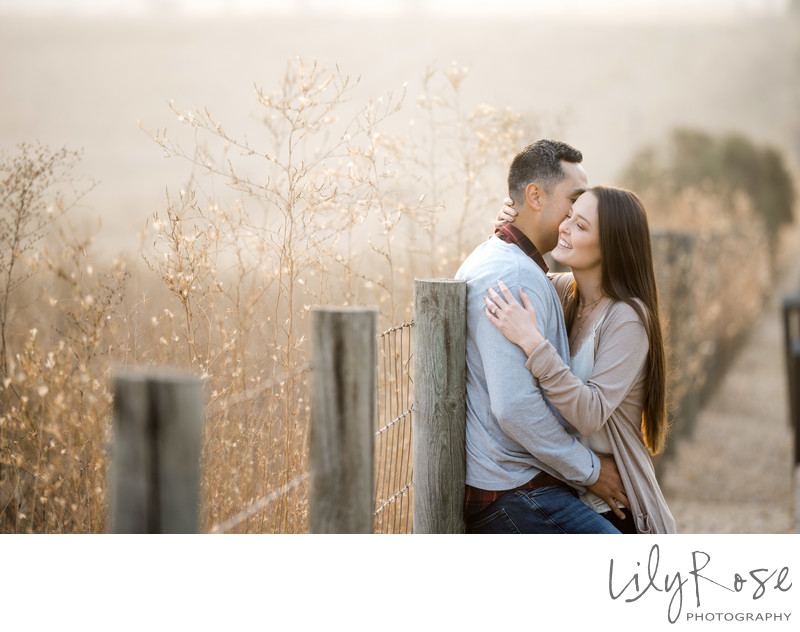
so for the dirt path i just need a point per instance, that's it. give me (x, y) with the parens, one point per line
(736, 474)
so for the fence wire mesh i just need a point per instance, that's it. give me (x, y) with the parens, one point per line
(262, 431)
(393, 440)
(393, 445)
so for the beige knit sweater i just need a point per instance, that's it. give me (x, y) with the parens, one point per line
(613, 396)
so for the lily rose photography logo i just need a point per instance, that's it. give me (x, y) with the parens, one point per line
(702, 586)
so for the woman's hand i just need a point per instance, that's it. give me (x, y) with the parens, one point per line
(517, 322)
(507, 214)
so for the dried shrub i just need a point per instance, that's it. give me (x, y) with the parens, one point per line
(328, 203)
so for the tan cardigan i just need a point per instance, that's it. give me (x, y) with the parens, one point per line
(614, 396)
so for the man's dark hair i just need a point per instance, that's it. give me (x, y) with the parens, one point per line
(539, 162)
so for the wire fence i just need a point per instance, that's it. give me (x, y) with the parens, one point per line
(393, 441)
(280, 484)
(257, 506)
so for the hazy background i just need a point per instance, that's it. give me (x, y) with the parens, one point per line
(604, 76)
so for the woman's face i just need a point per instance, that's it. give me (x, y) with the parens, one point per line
(579, 235)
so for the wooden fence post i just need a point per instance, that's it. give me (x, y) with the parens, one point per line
(155, 455)
(794, 386)
(343, 417)
(440, 328)
(791, 334)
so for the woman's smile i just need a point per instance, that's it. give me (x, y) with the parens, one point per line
(578, 236)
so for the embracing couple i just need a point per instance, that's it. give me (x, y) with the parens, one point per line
(566, 376)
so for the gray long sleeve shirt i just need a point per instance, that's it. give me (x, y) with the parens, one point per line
(513, 432)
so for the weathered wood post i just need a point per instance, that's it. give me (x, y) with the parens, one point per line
(155, 455)
(795, 386)
(343, 417)
(440, 327)
(791, 333)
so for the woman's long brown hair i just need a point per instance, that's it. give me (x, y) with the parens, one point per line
(628, 274)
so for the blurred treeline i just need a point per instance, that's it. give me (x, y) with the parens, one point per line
(722, 209)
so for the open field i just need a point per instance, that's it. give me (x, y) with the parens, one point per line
(606, 89)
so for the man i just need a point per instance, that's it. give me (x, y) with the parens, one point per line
(519, 449)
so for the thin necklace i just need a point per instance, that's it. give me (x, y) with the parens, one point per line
(583, 307)
(577, 334)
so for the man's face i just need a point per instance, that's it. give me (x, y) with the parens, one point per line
(558, 202)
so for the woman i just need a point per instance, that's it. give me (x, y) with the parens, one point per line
(614, 392)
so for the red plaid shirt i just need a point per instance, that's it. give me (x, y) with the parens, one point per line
(512, 235)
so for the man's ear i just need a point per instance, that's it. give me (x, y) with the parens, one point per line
(535, 195)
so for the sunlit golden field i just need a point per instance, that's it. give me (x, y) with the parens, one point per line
(273, 184)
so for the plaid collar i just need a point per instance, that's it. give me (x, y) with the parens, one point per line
(512, 235)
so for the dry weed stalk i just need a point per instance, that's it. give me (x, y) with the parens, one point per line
(322, 180)
(277, 238)
(56, 404)
(56, 312)
(36, 188)
(450, 165)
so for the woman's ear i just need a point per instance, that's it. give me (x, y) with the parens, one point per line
(535, 195)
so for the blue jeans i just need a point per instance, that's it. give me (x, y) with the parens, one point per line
(551, 509)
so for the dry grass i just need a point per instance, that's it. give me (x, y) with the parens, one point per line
(324, 207)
